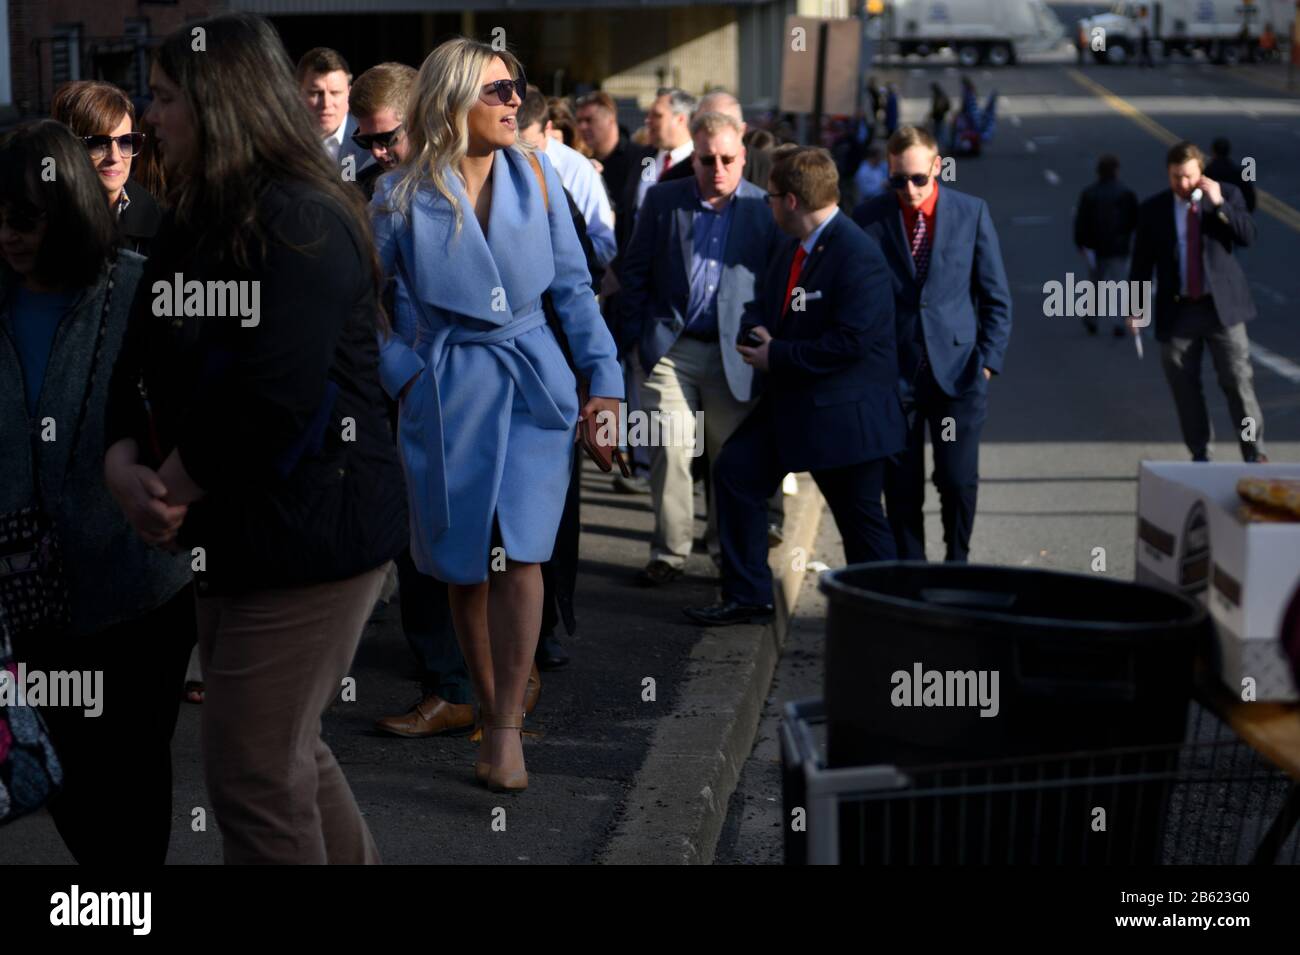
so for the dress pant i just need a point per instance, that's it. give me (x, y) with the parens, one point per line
(560, 573)
(116, 801)
(1108, 268)
(273, 661)
(748, 473)
(956, 466)
(426, 621)
(688, 380)
(1196, 328)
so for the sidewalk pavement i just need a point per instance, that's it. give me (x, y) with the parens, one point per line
(621, 769)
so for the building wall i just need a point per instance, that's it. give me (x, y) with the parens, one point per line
(40, 45)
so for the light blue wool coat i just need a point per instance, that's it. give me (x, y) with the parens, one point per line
(487, 428)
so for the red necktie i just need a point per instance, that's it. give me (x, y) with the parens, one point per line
(668, 161)
(795, 268)
(921, 247)
(1193, 252)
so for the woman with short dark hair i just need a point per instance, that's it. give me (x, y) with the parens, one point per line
(103, 117)
(259, 400)
(65, 294)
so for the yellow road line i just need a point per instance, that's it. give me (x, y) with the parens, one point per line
(1267, 201)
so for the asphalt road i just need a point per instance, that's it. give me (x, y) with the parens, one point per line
(1072, 416)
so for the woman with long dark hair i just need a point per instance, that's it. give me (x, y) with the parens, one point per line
(474, 231)
(252, 382)
(103, 116)
(65, 295)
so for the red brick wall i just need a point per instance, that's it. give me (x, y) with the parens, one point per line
(33, 21)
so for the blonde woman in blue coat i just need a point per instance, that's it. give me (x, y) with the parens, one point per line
(488, 405)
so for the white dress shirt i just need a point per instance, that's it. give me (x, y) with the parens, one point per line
(588, 190)
(334, 141)
(680, 154)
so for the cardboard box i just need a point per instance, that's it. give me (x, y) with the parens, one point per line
(1190, 539)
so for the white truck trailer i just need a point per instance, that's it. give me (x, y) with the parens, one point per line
(977, 31)
(1224, 30)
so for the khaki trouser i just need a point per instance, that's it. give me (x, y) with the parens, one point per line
(687, 380)
(273, 661)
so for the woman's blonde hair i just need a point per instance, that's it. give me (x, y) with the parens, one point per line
(436, 123)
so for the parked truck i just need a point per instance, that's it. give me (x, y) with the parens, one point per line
(994, 32)
(1226, 31)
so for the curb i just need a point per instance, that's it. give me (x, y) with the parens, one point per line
(674, 812)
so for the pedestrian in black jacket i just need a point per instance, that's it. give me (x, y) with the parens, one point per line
(253, 344)
(1103, 230)
(103, 117)
(1186, 236)
(65, 293)
(1223, 168)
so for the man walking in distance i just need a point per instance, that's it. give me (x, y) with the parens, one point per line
(1186, 236)
(688, 273)
(1103, 231)
(823, 336)
(953, 310)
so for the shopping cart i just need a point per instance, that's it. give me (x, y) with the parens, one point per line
(1211, 800)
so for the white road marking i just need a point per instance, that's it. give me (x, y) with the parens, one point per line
(1031, 146)
(1014, 119)
(1051, 177)
(1276, 363)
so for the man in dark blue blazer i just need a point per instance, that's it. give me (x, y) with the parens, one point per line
(823, 336)
(953, 311)
(688, 274)
(1202, 298)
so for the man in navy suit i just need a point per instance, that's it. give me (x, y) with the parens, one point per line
(1186, 235)
(688, 273)
(822, 333)
(953, 311)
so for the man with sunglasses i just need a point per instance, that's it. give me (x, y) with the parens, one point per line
(953, 312)
(698, 248)
(378, 101)
(323, 82)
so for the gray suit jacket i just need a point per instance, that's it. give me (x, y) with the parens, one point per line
(655, 273)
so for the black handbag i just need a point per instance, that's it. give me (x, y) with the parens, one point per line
(29, 769)
(34, 593)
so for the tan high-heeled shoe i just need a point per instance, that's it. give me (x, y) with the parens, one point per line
(481, 769)
(498, 780)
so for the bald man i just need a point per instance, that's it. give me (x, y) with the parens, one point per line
(757, 161)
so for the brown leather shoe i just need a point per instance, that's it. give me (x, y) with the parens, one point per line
(432, 716)
(534, 689)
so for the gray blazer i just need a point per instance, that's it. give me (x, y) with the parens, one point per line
(655, 273)
(113, 575)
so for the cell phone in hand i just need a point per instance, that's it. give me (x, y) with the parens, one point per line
(748, 337)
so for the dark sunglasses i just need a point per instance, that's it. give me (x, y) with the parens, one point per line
(21, 222)
(129, 144)
(713, 160)
(918, 179)
(383, 140)
(506, 89)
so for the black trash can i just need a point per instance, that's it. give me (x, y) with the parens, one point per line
(942, 663)
(1074, 662)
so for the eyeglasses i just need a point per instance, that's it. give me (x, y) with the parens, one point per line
(129, 144)
(383, 140)
(21, 222)
(506, 90)
(918, 179)
(713, 160)
(776, 195)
